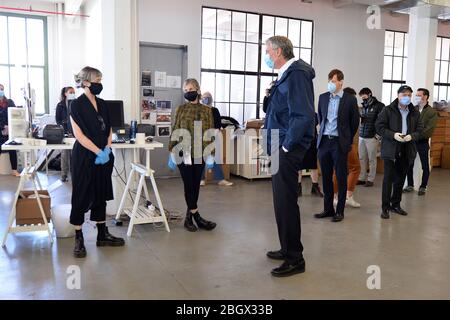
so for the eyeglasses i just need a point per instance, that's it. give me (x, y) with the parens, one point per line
(99, 118)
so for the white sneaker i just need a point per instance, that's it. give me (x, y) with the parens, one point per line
(202, 182)
(352, 203)
(225, 183)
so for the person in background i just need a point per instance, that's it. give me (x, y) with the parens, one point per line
(339, 121)
(310, 162)
(368, 138)
(354, 169)
(290, 112)
(63, 119)
(207, 100)
(191, 169)
(400, 126)
(6, 103)
(429, 118)
(92, 161)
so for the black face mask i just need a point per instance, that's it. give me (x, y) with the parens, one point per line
(96, 88)
(191, 95)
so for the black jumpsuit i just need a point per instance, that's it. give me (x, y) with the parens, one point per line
(91, 183)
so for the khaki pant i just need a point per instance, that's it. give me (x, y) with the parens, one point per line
(368, 148)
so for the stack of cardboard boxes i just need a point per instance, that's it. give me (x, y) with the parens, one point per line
(440, 141)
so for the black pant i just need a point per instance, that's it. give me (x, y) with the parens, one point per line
(98, 214)
(422, 148)
(191, 175)
(285, 198)
(331, 157)
(394, 178)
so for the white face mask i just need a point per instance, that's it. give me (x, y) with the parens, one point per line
(417, 100)
(71, 96)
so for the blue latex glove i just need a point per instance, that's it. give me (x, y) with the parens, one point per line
(209, 162)
(102, 157)
(108, 150)
(171, 163)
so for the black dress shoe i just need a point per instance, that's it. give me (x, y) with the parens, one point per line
(189, 223)
(79, 251)
(275, 255)
(369, 184)
(399, 211)
(288, 269)
(338, 218)
(360, 183)
(385, 214)
(323, 214)
(202, 223)
(109, 240)
(64, 178)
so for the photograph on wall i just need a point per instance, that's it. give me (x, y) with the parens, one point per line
(163, 131)
(148, 105)
(163, 118)
(146, 78)
(164, 105)
(148, 92)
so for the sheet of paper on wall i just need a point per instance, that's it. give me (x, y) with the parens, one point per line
(174, 82)
(160, 79)
(152, 118)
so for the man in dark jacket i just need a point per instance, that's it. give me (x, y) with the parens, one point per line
(339, 121)
(400, 126)
(290, 110)
(429, 118)
(368, 139)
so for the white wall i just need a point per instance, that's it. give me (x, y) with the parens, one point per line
(341, 38)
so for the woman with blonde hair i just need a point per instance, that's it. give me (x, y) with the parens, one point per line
(191, 168)
(92, 161)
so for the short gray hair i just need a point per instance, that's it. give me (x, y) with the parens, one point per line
(287, 49)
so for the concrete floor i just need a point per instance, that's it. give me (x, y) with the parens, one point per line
(230, 263)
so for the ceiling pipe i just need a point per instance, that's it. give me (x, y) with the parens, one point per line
(31, 10)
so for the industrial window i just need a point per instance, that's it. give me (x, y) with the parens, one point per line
(233, 50)
(395, 60)
(23, 58)
(441, 71)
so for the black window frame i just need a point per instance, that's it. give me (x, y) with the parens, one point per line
(45, 67)
(392, 81)
(261, 43)
(438, 84)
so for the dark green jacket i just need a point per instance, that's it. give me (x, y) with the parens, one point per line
(185, 117)
(429, 117)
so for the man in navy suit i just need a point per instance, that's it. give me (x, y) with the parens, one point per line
(290, 110)
(339, 121)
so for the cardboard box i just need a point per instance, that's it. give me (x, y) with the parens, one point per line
(445, 162)
(436, 162)
(439, 131)
(436, 146)
(27, 210)
(443, 114)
